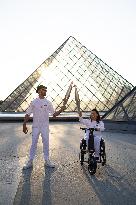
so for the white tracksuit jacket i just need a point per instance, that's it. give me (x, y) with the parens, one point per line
(40, 108)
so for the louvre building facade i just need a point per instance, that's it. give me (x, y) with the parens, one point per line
(98, 84)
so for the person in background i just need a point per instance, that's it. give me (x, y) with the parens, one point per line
(40, 108)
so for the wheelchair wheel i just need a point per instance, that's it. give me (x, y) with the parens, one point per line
(83, 144)
(92, 165)
(104, 159)
(81, 157)
(103, 153)
(83, 150)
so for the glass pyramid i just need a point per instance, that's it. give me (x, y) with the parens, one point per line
(125, 110)
(98, 85)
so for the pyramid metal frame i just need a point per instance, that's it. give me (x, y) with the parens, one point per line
(98, 84)
(124, 110)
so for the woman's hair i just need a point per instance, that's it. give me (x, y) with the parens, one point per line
(98, 115)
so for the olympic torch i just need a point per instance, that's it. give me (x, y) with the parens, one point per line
(77, 99)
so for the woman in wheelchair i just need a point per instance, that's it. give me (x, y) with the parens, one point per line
(96, 123)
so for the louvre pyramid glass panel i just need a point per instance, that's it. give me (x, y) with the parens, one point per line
(98, 85)
(125, 110)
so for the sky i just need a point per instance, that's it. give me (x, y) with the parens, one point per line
(31, 30)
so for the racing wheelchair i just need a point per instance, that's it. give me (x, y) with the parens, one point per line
(84, 149)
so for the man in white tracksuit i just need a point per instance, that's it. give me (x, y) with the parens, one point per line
(41, 108)
(93, 122)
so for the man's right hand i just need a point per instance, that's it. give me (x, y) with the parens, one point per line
(25, 130)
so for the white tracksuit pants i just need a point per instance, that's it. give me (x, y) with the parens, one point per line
(45, 140)
(97, 140)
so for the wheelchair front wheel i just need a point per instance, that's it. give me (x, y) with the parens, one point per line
(92, 165)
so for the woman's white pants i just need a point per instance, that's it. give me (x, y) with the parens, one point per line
(44, 131)
(97, 140)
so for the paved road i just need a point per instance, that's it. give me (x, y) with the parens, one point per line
(68, 183)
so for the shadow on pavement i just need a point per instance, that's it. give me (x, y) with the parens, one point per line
(47, 197)
(23, 195)
(111, 188)
(35, 187)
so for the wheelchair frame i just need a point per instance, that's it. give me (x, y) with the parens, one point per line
(92, 161)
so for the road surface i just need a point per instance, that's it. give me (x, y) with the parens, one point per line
(68, 183)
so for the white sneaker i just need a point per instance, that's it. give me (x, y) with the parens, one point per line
(49, 164)
(28, 165)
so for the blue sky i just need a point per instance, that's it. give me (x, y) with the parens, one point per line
(31, 30)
